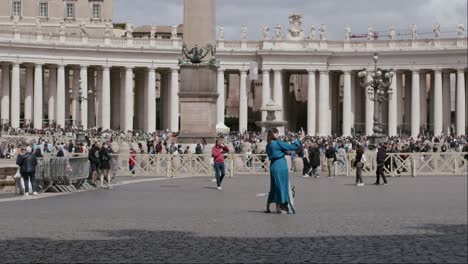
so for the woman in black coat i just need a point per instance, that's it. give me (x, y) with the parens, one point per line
(104, 162)
(314, 159)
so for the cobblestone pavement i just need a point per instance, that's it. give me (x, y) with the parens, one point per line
(413, 220)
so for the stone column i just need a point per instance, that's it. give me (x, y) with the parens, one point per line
(38, 95)
(15, 96)
(353, 100)
(29, 94)
(460, 114)
(369, 110)
(5, 99)
(151, 100)
(278, 92)
(266, 90)
(128, 100)
(52, 94)
(347, 104)
(324, 101)
(446, 103)
(62, 96)
(84, 94)
(116, 105)
(76, 116)
(140, 84)
(311, 106)
(220, 104)
(438, 103)
(243, 106)
(174, 100)
(98, 97)
(92, 97)
(105, 102)
(415, 104)
(423, 100)
(399, 98)
(122, 98)
(393, 108)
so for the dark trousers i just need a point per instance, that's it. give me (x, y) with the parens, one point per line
(306, 168)
(29, 176)
(219, 172)
(359, 167)
(380, 173)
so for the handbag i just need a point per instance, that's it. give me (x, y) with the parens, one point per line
(17, 174)
(212, 161)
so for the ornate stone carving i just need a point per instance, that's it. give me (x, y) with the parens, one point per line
(221, 32)
(461, 30)
(392, 32)
(323, 32)
(370, 33)
(295, 31)
(62, 28)
(243, 32)
(413, 29)
(15, 25)
(266, 33)
(436, 30)
(83, 29)
(152, 32)
(129, 30)
(38, 25)
(174, 32)
(196, 55)
(348, 32)
(278, 32)
(313, 32)
(108, 30)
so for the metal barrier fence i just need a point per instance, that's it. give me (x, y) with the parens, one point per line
(62, 174)
(396, 164)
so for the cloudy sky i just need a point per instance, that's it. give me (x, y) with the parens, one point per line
(336, 14)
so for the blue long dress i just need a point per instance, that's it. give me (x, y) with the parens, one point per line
(280, 186)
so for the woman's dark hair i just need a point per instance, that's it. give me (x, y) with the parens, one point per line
(270, 133)
(360, 149)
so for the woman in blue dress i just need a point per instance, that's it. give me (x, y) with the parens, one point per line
(280, 187)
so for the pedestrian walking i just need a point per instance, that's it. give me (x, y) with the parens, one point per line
(305, 162)
(94, 159)
(217, 152)
(104, 165)
(314, 160)
(27, 163)
(381, 157)
(132, 161)
(281, 192)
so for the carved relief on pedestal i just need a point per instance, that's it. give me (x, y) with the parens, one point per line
(295, 32)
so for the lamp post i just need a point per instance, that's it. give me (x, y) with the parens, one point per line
(80, 98)
(379, 91)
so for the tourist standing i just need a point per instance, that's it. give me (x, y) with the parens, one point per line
(305, 162)
(94, 159)
(330, 154)
(359, 162)
(314, 160)
(132, 161)
(27, 163)
(381, 157)
(280, 186)
(217, 152)
(104, 165)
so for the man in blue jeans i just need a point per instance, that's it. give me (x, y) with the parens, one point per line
(217, 153)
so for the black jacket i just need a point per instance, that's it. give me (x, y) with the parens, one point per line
(314, 157)
(27, 163)
(330, 153)
(93, 156)
(381, 155)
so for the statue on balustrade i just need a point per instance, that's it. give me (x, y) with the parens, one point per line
(348, 32)
(413, 29)
(278, 32)
(370, 33)
(83, 29)
(312, 33)
(323, 32)
(152, 32)
(295, 32)
(243, 32)
(392, 33)
(266, 33)
(460, 30)
(221, 32)
(174, 31)
(108, 30)
(436, 30)
(38, 25)
(62, 28)
(129, 30)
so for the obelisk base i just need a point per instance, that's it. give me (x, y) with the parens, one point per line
(198, 98)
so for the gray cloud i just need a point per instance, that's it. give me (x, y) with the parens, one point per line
(336, 14)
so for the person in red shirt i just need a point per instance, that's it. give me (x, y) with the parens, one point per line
(217, 153)
(132, 160)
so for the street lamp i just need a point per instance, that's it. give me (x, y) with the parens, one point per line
(80, 97)
(379, 90)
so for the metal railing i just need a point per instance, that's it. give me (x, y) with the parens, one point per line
(396, 164)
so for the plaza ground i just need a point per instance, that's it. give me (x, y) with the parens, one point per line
(417, 220)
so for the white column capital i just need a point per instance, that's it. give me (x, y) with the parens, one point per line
(277, 71)
(128, 68)
(220, 71)
(266, 70)
(243, 71)
(175, 69)
(151, 68)
(461, 70)
(311, 71)
(326, 72)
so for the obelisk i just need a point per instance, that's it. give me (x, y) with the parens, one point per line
(198, 93)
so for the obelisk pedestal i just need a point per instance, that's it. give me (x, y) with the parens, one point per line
(198, 91)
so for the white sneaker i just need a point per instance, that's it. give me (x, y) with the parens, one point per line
(305, 176)
(26, 194)
(360, 184)
(219, 188)
(35, 193)
(213, 180)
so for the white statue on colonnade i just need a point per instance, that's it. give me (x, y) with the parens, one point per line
(221, 32)
(348, 32)
(460, 30)
(278, 32)
(392, 32)
(243, 32)
(323, 32)
(436, 30)
(266, 33)
(370, 33)
(413, 31)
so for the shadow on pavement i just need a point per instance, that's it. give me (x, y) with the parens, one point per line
(443, 243)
